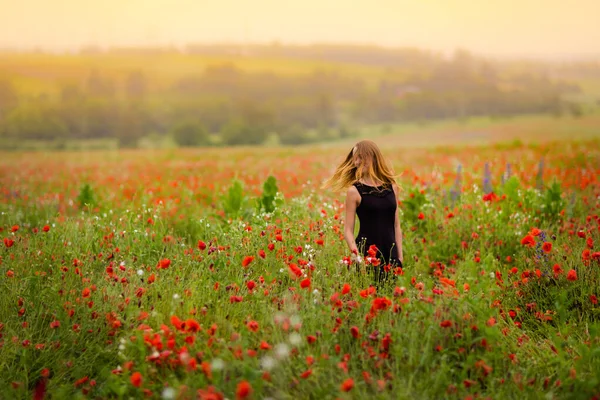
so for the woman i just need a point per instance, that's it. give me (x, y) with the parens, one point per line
(371, 195)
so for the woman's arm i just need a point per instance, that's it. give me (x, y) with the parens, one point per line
(352, 202)
(398, 229)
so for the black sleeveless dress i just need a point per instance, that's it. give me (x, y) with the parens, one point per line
(377, 215)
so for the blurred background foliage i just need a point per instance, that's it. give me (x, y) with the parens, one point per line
(215, 95)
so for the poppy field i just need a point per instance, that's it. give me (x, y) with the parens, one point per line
(223, 273)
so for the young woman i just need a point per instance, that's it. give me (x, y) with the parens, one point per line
(371, 195)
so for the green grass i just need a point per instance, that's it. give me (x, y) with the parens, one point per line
(88, 305)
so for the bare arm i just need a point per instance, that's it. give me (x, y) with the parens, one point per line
(398, 230)
(352, 201)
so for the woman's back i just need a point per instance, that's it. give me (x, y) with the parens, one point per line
(376, 214)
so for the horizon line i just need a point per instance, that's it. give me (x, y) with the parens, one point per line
(183, 47)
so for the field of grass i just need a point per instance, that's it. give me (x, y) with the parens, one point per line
(187, 274)
(485, 130)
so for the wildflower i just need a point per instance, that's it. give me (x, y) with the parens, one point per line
(252, 326)
(82, 381)
(282, 350)
(295, 272)
(168, 393)
(217, 364)
(380, 303)
(191, 325)
(547, 247)
(306, 374)
(267, 363)
(528, 241)
(346, 289)
(535, 232)
(264, 345)
(446, 323)
(572, 275)
(305, 283)
(244, 390)
(347, 385)
(136, 379)
(247, 260)
(295, 339)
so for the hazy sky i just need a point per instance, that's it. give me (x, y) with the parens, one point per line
(498, 27)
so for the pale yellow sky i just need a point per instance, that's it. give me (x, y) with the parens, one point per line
(495, 27)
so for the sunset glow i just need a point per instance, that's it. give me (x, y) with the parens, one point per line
(549, 28)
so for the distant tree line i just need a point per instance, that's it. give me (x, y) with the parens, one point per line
(225, 105)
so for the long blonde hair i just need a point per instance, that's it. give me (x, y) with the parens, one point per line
(348, 173)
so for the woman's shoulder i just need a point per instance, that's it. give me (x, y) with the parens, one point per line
(380, 190)
(352, 190)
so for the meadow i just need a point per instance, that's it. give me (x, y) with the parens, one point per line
(218, 273)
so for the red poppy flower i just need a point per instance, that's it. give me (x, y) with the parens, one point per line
(347, 385)
(572, 275)
(528, 241)
(535, 232)
(306, 374)
(295, 272)
(136, 379)
(244, 390)
(264, 345)
(446, 323)
(305, 283)
(252, 326)
(247, 260)
(191, 325)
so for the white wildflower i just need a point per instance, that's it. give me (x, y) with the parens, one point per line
(295, 339)
(217, 364)
(282, 350)
(168, 393)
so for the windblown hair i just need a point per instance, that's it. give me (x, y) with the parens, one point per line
(347, 173)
